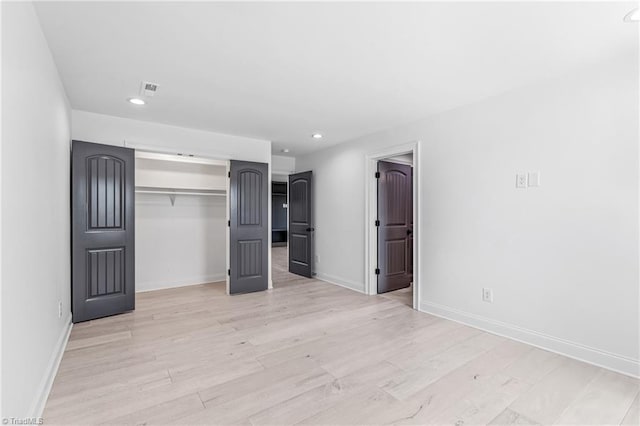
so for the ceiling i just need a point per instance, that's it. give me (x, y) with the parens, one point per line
(282, 71)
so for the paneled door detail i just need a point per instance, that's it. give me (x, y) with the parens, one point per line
(102, 215)
(301, 224)
(395, 226)
(249, 228)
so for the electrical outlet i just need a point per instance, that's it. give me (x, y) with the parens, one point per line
(59, 308)
(317, 259)
(487, 295)
(521, 180)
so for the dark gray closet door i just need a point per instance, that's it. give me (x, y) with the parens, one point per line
(102, 216)
(301, 224)
(249, 228)
(395, 229)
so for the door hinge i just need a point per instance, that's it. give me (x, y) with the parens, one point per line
(377, 223)
(229, 272)
(377, 271)
(229, 223)
(377, 175)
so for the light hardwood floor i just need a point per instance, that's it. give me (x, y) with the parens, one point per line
(308, 352)
(404, 296)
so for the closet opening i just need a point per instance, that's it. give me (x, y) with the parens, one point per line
(181, 214)
(147, 221)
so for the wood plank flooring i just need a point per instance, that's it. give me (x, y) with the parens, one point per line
(404, 296)
(308, 352)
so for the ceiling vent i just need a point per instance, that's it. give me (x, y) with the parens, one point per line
(148, 89)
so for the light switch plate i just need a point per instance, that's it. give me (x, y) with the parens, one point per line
(521, 180)
(534, 179)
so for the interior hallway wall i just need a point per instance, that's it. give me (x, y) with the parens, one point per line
(562, 258)
(282, 165)
(36, 134)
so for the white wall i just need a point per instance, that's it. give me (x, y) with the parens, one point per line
(99, 128)
(402, 159)
(179, 245)
(179, 175)
(562, 259)
(282, 167)
(35, 213)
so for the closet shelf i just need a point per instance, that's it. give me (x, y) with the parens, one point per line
(172, 192)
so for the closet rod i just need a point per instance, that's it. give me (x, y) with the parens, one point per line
(172, 193)
(212, 194)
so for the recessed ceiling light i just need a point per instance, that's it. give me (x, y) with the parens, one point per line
(284, 150)
(137, 101)
(316, 136)
(633, 16)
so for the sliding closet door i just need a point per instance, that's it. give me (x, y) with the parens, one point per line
(249, 228)
(102, 216)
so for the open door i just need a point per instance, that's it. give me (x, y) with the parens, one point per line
(395, 226)
(301, 224)
(248, 227)
(102, 216)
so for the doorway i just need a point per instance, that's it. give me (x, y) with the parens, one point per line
(279, 226)
(279, 214)
(181, 220)
(395, 228)
(392, 229)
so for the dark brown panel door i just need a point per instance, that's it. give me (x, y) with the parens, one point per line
(395, 229)
(102, 215)
(301, 224)
(249, 228)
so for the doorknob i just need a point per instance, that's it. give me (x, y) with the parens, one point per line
(311, 229)
(409, 231)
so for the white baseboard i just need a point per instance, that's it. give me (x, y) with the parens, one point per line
(37, 407)
(610, 361)
(142, 287)
(342, 282)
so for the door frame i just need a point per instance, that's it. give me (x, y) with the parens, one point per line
(281, 173)
(371, 207)
(221, 160)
